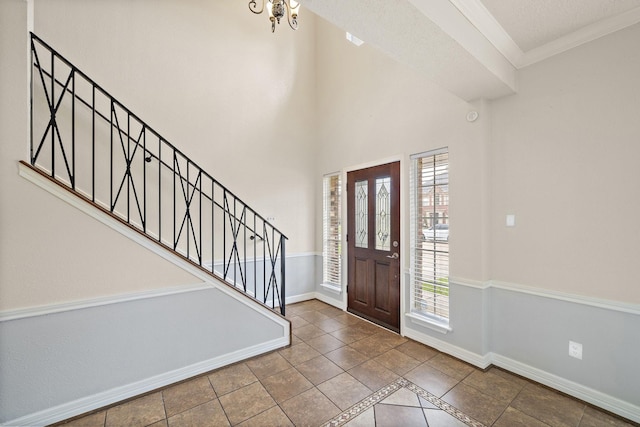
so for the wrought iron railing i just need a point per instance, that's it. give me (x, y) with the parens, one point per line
(88, 141)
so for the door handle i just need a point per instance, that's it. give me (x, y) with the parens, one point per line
(394, 256)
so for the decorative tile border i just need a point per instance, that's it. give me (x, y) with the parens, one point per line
(387, 391)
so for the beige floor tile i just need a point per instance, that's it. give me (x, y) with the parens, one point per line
(313, 316)
(267, 365)
(366, 419)
(91, 420)
(370, 328)
(370, 347)
(329, 325)
(514, 418)
(331, 311)
(431, 379)
(231, 378)
(451, 366)
(187, 395)
(139, 412)
(310, 408)
(595, 418)
(161, 423)
(387, 338)
(295, 339)
(393, 416)
(307, 332)
(475, 403)
(349, 319)
(439, 418)
(325, 343)
(319, 370)
(418, 351)
(509, 376)
(373, 375)
(349, 335)
(286, 384)
(344, 390)
(397, 361)
(346, 357)
(273, 417)
(403, 397)
(493, 385)
(297, 322)
(244, 403)
(208, 414)
(299, 353)
(548, 406)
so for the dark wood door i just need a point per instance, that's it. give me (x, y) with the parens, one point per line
(373, 235)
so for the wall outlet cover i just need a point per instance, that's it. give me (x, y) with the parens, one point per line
(575, 350)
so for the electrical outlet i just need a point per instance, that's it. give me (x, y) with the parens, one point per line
(511, 220)
(575, 350)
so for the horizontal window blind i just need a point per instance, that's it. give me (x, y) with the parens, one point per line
(430, 234)
(331, 230)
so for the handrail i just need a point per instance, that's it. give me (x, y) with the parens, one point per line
(146, 181)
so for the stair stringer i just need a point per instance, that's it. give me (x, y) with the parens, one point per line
(67, 195)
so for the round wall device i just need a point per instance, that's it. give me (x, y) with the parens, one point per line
(472, 116)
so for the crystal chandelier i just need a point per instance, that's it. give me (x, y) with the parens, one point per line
(277, 9)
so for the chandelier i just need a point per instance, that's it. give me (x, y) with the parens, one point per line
(277, 9)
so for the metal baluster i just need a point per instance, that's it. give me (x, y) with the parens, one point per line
(282, 272)
(73, 129)
(93, 144)
(128, 165)
(111, 207)
(32, 160)
(159, 189)
(52, 118)
(144, 177)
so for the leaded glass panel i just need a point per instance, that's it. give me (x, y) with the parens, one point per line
(383, 213)
(362, 214)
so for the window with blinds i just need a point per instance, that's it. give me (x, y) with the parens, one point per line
(331, 230)
(429, 188)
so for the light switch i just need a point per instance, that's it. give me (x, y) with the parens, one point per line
(511, 220)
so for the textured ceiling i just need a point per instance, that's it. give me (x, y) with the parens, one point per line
(474, 48)
(533, 23)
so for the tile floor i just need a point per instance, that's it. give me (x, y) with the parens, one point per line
(341, 370)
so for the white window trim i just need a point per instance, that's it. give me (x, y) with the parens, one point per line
(436, 324)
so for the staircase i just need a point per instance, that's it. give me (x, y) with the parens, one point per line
(85, 140)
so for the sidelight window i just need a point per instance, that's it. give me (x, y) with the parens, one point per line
(430, 234)
(331, 230)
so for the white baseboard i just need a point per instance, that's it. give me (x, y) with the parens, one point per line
(314, 295)
(595, 397)
(299, 298)
(91, 403)
(475, 359)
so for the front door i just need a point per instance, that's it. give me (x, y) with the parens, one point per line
(373, 236)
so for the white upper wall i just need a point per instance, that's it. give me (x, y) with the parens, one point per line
(210, 77)
(565, 161)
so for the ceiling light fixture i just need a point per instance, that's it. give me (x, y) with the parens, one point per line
(277, 9)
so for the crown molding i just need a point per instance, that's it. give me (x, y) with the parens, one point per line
(584, 35)
(490, 28)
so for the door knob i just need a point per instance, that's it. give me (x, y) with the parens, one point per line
(394, 256)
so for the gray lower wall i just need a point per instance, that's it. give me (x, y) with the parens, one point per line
(535, 331)
(529, 332)
(56, 359)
